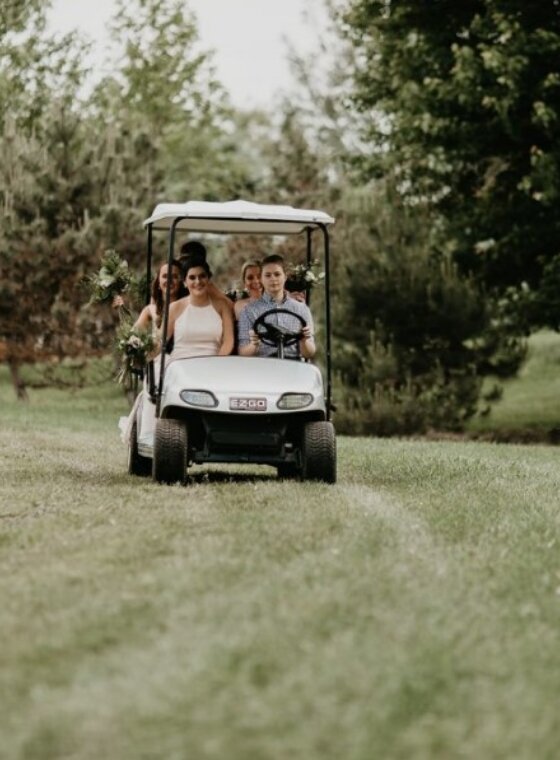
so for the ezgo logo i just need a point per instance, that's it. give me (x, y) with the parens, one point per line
(247, 404)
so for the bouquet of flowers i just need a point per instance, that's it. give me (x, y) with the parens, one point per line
(113, 279)
(236, 295)
(302, 277)
(135, 346)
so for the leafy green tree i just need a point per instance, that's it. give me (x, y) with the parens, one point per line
(173, 99)
(45, 187)
(15, 15)
(464, 111)
(80, 173)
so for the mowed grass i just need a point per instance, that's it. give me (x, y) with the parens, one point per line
(410, 611)
(531, 400)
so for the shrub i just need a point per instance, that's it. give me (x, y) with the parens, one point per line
(414, 336)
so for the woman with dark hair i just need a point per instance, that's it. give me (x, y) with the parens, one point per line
(194, 249)
(201, 325)
(151, 314)
(150, 318)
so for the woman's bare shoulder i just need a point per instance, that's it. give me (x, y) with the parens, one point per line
(179, 305)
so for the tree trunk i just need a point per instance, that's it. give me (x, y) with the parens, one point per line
(17, 380)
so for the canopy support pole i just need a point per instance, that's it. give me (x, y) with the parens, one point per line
(328, 361)
(166, 312)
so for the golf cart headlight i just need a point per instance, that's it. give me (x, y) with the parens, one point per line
(199, 398)
(294, 400)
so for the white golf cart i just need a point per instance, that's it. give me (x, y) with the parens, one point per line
(231, 408)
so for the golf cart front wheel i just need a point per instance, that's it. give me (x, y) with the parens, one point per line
(318, 452)
(170, 451)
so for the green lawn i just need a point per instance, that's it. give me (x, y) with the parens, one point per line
(531, 401)
(410, 611)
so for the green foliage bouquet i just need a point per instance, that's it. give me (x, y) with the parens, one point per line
(303, 277)
(135, 346)
(113, 279)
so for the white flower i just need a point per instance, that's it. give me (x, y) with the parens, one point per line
(484, 245)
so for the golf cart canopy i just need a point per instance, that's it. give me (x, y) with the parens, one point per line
(236, 217)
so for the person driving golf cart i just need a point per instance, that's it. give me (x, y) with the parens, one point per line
(275, 324)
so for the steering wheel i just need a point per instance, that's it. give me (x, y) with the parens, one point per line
(276, 335)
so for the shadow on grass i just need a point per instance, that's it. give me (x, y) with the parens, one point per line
(88, 474)
(216, 476)
(98, 477)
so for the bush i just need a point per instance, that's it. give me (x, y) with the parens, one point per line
(414, 336)
(384, 404)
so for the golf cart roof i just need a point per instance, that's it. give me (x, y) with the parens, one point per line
(236, 216)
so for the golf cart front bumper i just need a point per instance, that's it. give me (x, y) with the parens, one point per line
(242, 409)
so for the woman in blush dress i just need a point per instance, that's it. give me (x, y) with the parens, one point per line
(150, 319)
(200, 324)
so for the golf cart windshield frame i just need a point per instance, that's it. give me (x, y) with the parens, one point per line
(308, 229)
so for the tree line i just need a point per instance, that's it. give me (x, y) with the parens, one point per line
(431, 136)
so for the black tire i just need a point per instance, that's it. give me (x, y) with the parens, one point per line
(318, 452)
(170, 451)
(137, 464)
(288, 471)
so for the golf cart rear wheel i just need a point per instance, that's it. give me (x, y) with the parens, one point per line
(170, 451)
(137, 464)
(318, 452)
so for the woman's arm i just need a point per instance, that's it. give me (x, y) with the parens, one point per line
(143, 321)
(227, 328)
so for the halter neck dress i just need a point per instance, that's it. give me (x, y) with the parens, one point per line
(198, 332)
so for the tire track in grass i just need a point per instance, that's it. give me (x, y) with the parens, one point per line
(472, 676)
(358, 632)
(317, 566)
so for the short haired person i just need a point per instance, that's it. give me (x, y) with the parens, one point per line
(273, 279)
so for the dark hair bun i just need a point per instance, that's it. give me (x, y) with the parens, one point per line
(193, 248)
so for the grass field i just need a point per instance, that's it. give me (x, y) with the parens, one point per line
(410, 611)
(531, 401)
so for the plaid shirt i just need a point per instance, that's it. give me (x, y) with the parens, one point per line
(265, 303)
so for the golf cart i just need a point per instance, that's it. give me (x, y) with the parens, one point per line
(239, 409)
